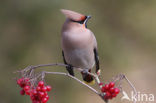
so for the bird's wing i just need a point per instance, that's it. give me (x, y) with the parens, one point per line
(96, 55)
(64, 57)
(96, 61)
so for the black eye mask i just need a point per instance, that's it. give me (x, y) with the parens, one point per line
(82, 21)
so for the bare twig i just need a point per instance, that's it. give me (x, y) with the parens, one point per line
(66, 74)
(134, 89)
(56, 64)
(29, 71)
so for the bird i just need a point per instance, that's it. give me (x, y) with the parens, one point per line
(79, 45)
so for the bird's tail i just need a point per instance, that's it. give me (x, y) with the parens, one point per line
(88, 79)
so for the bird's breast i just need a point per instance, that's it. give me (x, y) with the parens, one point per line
(71, 40)
(78, 48)
(83, 58)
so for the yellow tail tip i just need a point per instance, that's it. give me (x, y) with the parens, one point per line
(90, 83)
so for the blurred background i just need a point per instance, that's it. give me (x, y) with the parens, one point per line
(30, 33)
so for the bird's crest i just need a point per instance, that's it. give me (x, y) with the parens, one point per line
(73, 15)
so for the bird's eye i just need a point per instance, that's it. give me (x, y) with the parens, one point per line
(81, 21)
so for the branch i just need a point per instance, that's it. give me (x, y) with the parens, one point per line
(66, 74)
(57, 64)
(134, 89)
(29, 71)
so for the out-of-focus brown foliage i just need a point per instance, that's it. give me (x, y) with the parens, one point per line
(30, 35)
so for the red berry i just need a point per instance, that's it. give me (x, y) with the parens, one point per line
(36, 101)
(26, 79)
(47, 97)
(106, 86)
(32, 97)
(22, 92)
(44, 89)
(48, 88)
(45, 93)
(108, 94)
(27, 92)
(41, 83)
(22, 85)
(111, 90)
(116, 90)
(103, 89)
(38, 88)
(26, 88)
(41, 94)
(100, 84)
(19, 81)
(114, 95)
(44, 100)
(34, 92)
(111, 84)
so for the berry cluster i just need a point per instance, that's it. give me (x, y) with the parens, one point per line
(23, 83)
(109, 90)
(37, 94)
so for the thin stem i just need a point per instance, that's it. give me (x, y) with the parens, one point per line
(59, 64)
(66, 74)
(134, 89)
(53, 64)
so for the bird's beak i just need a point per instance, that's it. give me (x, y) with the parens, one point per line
(88, 17)
(86, 20)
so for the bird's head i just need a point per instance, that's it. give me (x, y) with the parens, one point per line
(76, 17)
